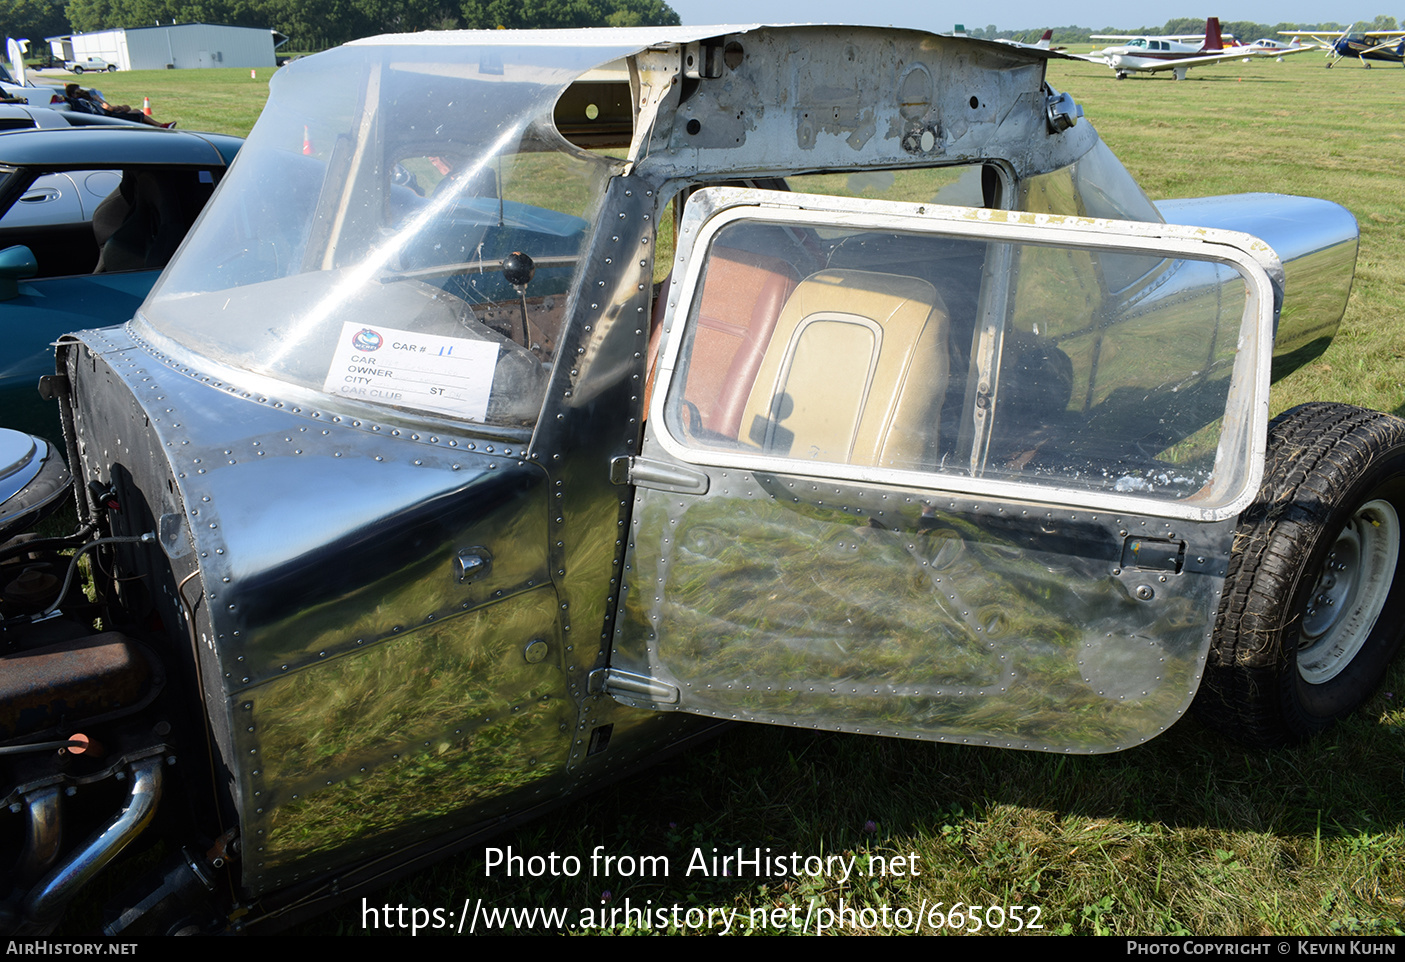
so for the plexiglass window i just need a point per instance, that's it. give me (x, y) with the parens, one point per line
(918, 352)
(402, 230)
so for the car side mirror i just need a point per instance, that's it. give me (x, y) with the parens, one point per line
(16, 264)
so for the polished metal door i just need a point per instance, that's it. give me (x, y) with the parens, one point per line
(943, 473)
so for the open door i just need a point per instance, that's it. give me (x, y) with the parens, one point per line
(941, 473)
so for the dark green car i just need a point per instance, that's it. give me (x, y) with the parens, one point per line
(90, 216)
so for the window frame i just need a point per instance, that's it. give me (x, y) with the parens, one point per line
(1242, 445)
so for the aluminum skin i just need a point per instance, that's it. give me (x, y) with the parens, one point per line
(958, 601)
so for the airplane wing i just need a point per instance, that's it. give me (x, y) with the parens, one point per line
(1043, 43)
(1280, 51)
(1239, 53)
(1177, 37)
(1331, 36)
(1324, 38)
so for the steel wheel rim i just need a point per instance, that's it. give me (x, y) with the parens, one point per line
(1349, 592)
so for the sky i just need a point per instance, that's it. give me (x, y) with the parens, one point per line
(1016, 14)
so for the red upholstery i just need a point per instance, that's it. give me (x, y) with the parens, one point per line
(743, 294)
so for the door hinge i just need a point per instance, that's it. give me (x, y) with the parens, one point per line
(660, 475)
(630, 687)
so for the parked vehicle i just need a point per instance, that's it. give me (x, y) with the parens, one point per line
(528, 404)
(37, 95)
(88, 217)
(25, 117)
(94, 64)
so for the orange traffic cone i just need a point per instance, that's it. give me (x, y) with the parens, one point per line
(253, 74)
(306, 142)
(146, 106)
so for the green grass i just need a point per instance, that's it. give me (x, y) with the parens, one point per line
(1293, 128)
(1187, 834)
(223, 101)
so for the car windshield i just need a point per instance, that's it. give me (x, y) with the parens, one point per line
(402, 229)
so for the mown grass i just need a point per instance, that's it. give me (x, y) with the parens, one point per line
(223, 101)
(1293, 128)
(1187, 834)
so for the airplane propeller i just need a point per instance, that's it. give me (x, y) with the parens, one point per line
(1340, 46)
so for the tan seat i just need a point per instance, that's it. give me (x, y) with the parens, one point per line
(856, 373)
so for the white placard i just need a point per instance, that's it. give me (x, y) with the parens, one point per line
(448, 375)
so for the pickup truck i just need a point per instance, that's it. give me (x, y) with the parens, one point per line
(94, 64)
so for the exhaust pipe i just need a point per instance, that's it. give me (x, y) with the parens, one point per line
(47, 901)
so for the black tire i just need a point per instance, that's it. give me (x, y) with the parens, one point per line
(1312, 612)
(78, 71)
(112, 68)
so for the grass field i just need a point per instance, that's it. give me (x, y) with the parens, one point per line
(1188, 834)
(222, 101)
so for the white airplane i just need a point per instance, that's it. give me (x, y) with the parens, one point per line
(1041, 44)
(1267, 47)
(1176, 53)
(1278, 46)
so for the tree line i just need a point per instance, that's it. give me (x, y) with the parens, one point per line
(315, 24)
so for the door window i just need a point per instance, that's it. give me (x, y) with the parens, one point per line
(907, 348)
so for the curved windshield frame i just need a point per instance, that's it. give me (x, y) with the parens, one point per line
(403, 228)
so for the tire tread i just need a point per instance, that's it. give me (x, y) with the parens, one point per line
(1313, 452)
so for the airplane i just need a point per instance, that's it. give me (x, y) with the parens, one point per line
(1386, 45)
(1276, 48)
(1041, 44)
(1175, 53)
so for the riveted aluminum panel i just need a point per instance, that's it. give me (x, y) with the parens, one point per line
(952, 601)
(899, 612)
(348, 673)
(835, 98)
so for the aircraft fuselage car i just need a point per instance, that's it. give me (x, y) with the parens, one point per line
(526, 405)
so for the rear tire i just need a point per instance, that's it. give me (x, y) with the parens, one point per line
(78, 71)
(112, 68)
(1312, 610)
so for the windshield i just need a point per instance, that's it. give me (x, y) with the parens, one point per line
(401, 229)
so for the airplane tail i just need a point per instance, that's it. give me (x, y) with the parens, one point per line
(1043, 43)
(1213, 40)
(15, 50)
